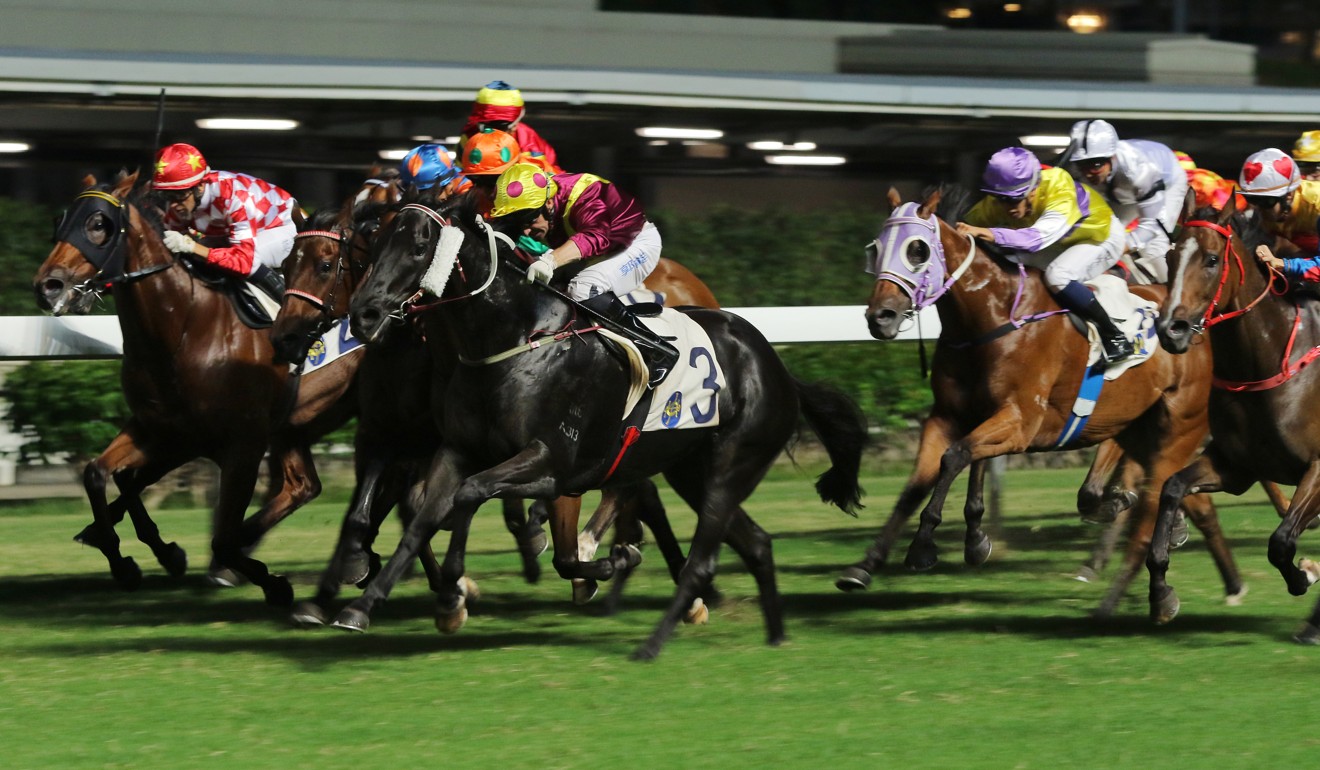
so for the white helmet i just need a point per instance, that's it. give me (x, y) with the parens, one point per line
(1270, 172)
(1093, 139)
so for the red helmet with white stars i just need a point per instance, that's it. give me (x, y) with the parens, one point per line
(178, 167)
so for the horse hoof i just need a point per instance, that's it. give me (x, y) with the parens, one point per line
(921, 558)
(354, 568)
(1165, 608)
(1085, 574)
(1114, 503)
(1235, 599)
(1311, 569)
(90, 536)
(626, 557)
(127, 573)
(646, 653)
(450, 621)
(535, 545)
(531, 569)
(224, 577)
(853, 579)
(174, 559)
(584, 590)
(373, 569)
(307, 615)
(975, 554)
(350, 619)
(697, 614)
(469, 590)
(1307, 634)
(278, 591)
(1179, 535)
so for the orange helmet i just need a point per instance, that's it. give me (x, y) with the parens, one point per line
(489, 152)
(179, 167)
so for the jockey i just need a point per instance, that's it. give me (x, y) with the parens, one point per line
(500, 106)
(485, 156)
(584, 217)
(1056, 224)
(1271, 181)
(246, 224)
(429, 166)
(1142, 180)
(1307, 154)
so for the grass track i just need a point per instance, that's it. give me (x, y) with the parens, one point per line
(998, 667)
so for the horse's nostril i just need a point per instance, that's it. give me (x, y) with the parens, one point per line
(52, 286)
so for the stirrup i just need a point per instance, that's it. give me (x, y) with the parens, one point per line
(1125, 351)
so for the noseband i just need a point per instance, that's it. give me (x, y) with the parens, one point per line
(323, 305)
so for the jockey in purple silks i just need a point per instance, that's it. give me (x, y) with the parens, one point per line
(1052, 222)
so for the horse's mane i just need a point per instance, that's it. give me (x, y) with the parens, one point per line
(324, 219)
(955, 202)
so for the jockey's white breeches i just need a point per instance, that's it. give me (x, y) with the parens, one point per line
(272, 246)
(622, 271)
(1078, 262)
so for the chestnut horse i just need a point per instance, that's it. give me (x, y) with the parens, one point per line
(542, 418)
(1006, 372)
(198, 382)
(1263, 423)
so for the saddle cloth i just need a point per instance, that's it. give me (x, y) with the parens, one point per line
(336, 343)
(1135, 318)
(261, 299)
(688, 397)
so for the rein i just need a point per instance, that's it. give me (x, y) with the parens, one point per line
(1014, 322)
(1286, 370)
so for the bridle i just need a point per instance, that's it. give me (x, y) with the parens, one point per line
(923, 284)
(1210, 318)
(108, 257)
(325, 305)
(445, 259)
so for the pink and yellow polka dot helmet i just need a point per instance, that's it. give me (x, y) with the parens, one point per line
(522, 187)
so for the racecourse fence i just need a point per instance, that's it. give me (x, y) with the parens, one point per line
(91, 337)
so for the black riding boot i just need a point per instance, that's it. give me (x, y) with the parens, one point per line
(1081, 300)
(269, 281)
(660, 356)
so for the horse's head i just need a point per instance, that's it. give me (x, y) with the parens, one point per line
(416, 253)
(320, 275)
(382, 186)
(90, 244)
(1211, 265)
(907, 260)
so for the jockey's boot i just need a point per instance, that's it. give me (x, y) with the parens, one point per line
(660, 356)
(1078, 298)
(268, 281)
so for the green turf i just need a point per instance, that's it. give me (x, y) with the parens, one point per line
(998, 667)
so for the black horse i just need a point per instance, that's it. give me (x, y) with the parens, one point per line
(539, 421)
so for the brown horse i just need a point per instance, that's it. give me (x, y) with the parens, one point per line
(1261, 417)
(1005, 386)
(198, 382)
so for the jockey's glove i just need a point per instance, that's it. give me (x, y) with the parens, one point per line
(178, 242)
(542, 268)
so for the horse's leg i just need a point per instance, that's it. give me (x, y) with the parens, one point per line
(529, 536)
(1283, 542)
(170, 555)
(291, 465)
(1200, 509)
(588, 542)
(564, 515)
(935, 438)
(239, 470)
(1104, 547)
(976, 543)
(1107, 490)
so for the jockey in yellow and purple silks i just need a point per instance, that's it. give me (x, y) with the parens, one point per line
(1057, 224)
(585, 217)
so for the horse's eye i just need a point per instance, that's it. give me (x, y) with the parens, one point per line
(1212, 259)
(98, 229)
(325, 266)
(918, 252)
(421, 249)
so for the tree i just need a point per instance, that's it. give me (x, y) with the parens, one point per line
(66, 408)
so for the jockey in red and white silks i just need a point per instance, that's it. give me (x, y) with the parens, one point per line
(1143, 181)
(252, 216)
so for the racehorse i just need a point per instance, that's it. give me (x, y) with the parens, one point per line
(1005, 376)
(198, 382)
(542, 417)
(329, 260)
(1263, 424)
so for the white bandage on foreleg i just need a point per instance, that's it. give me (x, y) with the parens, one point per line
(442, 264)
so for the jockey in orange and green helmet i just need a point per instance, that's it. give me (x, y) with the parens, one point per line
(500, 106)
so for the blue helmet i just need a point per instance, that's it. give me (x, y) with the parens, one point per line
(427, 166)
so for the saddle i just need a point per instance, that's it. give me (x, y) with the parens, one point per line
(255, 308)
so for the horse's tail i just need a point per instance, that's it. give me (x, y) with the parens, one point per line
(841, 426)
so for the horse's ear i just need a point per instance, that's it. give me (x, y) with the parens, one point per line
(374, 171)
(89, 181)
(124, 183)
(1189, 204)
(932, 201)
(894, 200)
(1227, 212)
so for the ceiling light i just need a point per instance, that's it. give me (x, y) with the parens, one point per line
(393, 154)
(11, 147)
(806, 160)
(958, 13)
(776, 146)
(1086, 23)
(450, 141)
(662, 132)
(1044, 140)
(422, 138)
(248, 124)
(1012, 7)
(658, 143)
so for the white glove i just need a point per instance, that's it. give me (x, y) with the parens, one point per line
(178, 242)
(542, 268)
